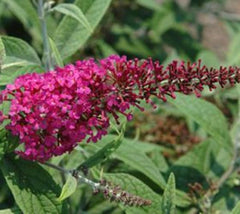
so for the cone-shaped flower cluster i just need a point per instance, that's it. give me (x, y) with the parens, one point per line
(53, 111)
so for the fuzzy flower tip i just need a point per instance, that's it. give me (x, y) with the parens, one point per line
(53, 111)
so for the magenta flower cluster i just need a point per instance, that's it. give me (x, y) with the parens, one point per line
(53, 111)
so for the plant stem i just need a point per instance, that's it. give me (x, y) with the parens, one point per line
(76, 174)
(46, 48)
(61, 169)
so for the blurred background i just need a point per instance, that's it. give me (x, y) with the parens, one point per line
(164, 30)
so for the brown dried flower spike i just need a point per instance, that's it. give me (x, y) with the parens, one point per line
(112, 192)
(115, 193)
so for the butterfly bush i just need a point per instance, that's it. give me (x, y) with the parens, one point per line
(52, 112)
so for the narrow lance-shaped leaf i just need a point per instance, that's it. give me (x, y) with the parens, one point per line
(104, 152)
(56, 53)
(75, 12)
(2, 53)
(168, 206)
(69, 187)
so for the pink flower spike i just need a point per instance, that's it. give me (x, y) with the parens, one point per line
(52, 112)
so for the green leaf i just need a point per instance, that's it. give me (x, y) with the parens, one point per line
(2, 50)
(134, 157)
(56, 53)
(69, 188)
(5, 78)
(10, 62)
(145, 146)
(75, 12)
(168, 206)
(208, 116)
(2, 54)
(136, 187)
(70, 35)
(32, 187)
(182, 199)
(18, 50)
(104, 152)
(160, 161)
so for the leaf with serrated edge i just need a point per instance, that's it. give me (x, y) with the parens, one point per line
(168, 206)
(32, 187)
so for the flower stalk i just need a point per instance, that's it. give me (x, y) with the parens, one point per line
(110, 191)
(46, 47)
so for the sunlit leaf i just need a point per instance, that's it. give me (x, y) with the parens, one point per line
(18, 51)
(32, 187)
(69, 187)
